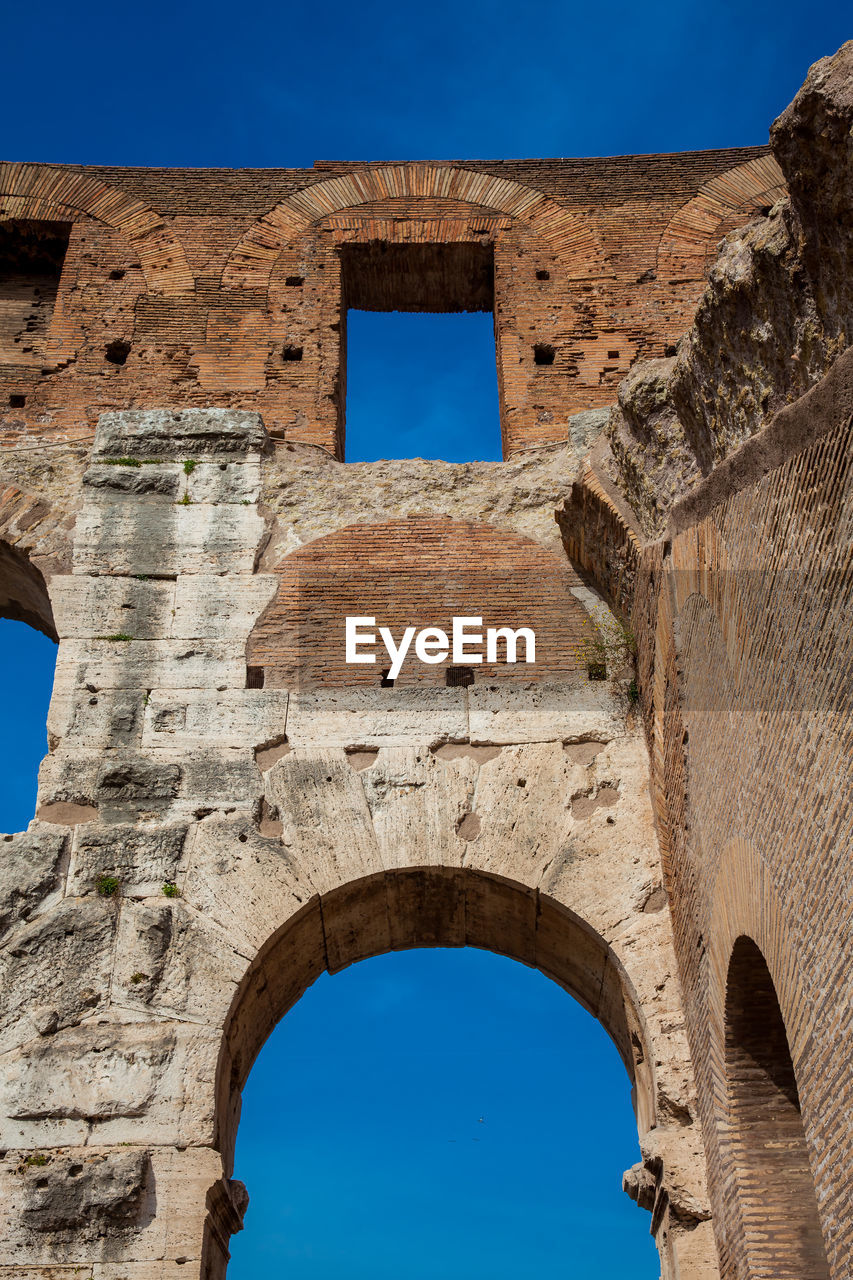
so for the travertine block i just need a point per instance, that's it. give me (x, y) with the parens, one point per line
(377, 717)
(544, 712)
(180, 719)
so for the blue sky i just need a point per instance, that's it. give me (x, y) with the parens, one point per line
(361, 1142)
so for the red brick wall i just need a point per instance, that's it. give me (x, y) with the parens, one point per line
(190, 269)
(417, 572)
(742, 618)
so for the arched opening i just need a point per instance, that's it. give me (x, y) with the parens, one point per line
(28, 657)
(776, 1195)
(421, 907)
(438, 1113)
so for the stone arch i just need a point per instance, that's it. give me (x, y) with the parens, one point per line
(427, 906)
(31, 548)
(31, 191)
(777, 1204)
(689, 241)
(569, 235)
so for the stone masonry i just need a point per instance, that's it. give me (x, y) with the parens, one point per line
(657, 815)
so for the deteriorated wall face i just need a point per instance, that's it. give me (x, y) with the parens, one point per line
(315, 820)
(754, 764)
(179, 289)
(303, 827)
(742, 612)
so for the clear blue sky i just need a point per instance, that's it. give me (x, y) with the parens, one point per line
(360, 1117)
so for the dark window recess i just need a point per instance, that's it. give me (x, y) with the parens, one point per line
(117, 352)
(294, 282)
(543, 275)
(17, 402)
(670, 351)
(117, 275)
(384, 681)
(458, 677)
(254, 677)
(291, 353)
(31, 257)
(613, 355)
(596, 670)
(543, 353)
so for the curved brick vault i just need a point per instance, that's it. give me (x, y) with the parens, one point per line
(33, 191)
(724, 202)
(421, 571)
(569, 235)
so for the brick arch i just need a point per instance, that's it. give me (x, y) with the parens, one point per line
(31, 191)
(689, 241)
(568, 235)
(418, 571)
(753, 949)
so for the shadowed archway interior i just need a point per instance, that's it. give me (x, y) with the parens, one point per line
(776, 1186)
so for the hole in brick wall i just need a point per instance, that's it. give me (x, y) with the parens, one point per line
(385, 681)
(254, 677)
(419, 344)
(596, 670)
(291, 353)
(32, 254)
(116, 352)
(670, 350)
(17, 402)
(117, 275)
(421, 386)
(613, 355)
(543, 353)
(768, 1144)
(543, 275)
(458, 677)
(294, 282)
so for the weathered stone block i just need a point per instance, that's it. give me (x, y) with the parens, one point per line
(377, 717)
(185, 718)
(544, 712)
(87, 607)
(141, 858)
(178, 434)
(30, 867)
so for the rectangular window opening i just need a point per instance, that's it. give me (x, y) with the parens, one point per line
(419, 352)
(31, 257)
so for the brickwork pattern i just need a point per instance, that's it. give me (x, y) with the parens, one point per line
(420, 573)
(200, 282)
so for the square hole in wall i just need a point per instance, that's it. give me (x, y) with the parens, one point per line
(421, 370)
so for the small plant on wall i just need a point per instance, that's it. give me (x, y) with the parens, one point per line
(609, 651)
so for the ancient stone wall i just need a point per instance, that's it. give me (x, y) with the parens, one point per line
(223, 813)
(742, 615)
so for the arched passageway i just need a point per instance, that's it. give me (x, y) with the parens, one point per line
(781, 1228)
(446, 907)
(438, 1112)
